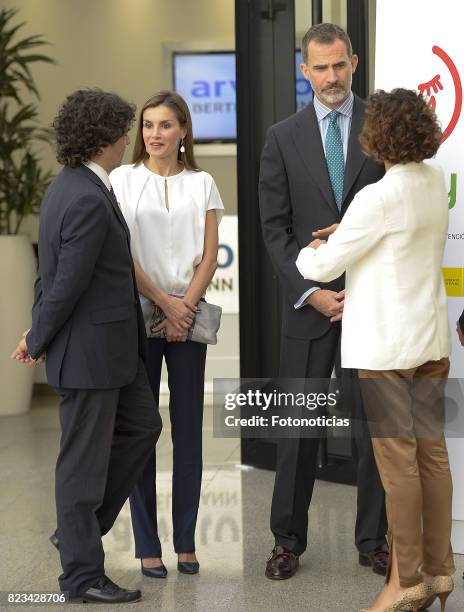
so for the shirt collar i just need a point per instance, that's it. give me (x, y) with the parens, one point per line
(322, 111)
(100, 172)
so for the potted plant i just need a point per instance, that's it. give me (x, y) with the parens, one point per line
(22, 186)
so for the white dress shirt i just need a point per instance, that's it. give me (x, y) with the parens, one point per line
(390, 242)
(345, 111)
(100, 172)
(167, 238)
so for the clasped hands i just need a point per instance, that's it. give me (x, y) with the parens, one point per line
(180, 314)
(329, 303)
(325, 232)
(21, 352)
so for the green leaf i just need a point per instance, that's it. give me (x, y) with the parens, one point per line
(15, 57)
(23, 182)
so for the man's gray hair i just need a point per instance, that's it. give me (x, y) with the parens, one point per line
(325, 34)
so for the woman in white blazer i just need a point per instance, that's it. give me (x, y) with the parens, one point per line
(395, 331)
(172, 209)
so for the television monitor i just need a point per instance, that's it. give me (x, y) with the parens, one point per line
(206, 80)
(304, 91)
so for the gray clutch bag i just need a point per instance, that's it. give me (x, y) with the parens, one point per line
(204, 328)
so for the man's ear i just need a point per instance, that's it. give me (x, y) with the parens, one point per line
(354, 62)
(304, 71)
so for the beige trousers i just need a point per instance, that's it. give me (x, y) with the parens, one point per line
(405, 411)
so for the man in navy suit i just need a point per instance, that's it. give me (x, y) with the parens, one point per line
(312, 166)
(87, 321)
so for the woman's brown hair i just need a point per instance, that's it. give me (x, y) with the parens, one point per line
(177, 104)
(400, 127)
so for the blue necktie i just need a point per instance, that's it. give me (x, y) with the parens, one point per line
(335, 157)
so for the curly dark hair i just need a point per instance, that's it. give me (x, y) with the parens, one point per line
(88, 120)
(400, 127)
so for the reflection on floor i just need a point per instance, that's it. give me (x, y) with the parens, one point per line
(233, 539)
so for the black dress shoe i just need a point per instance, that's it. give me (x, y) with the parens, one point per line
(186, 567)
(105, 591)
(377, 559)
(55, 541)
(282, 564)
(154, 572)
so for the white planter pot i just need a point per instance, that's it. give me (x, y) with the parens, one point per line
(17, 275)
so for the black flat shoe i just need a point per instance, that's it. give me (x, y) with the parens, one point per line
(185, 567)
(106, 591)
(154, 572)
(55, 541)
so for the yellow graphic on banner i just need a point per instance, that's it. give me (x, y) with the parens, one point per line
(454, 281)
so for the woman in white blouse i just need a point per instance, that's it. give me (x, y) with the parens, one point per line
(395, 331)
(173, 210)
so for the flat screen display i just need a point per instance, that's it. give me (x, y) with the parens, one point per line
(207, 83)
(304, 91)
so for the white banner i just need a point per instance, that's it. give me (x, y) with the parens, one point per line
(419, 45)
(223, 289)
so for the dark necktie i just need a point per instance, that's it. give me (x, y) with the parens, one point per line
(113, 195)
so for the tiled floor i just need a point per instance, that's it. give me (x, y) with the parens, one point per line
(233, 539)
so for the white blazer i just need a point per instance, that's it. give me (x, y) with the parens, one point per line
(390, 243)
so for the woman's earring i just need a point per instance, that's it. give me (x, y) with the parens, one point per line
(182, 148)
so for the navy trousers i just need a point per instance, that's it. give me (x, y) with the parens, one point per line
(185, 363)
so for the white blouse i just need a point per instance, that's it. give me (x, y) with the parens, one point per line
(166, 217)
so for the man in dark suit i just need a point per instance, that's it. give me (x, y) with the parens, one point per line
(87, 321)
(312, 166)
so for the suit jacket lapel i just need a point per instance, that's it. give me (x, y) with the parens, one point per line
(308, 142)
(116, 209)
(95, 179)
(355, 157)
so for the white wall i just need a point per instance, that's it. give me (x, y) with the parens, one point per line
(124, 46)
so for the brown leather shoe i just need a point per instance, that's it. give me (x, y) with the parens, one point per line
(282, 564)
(377, 559)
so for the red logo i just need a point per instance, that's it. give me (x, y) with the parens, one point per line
(434, 86)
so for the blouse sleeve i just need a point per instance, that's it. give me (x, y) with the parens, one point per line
(214, 201)
(361, 228)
